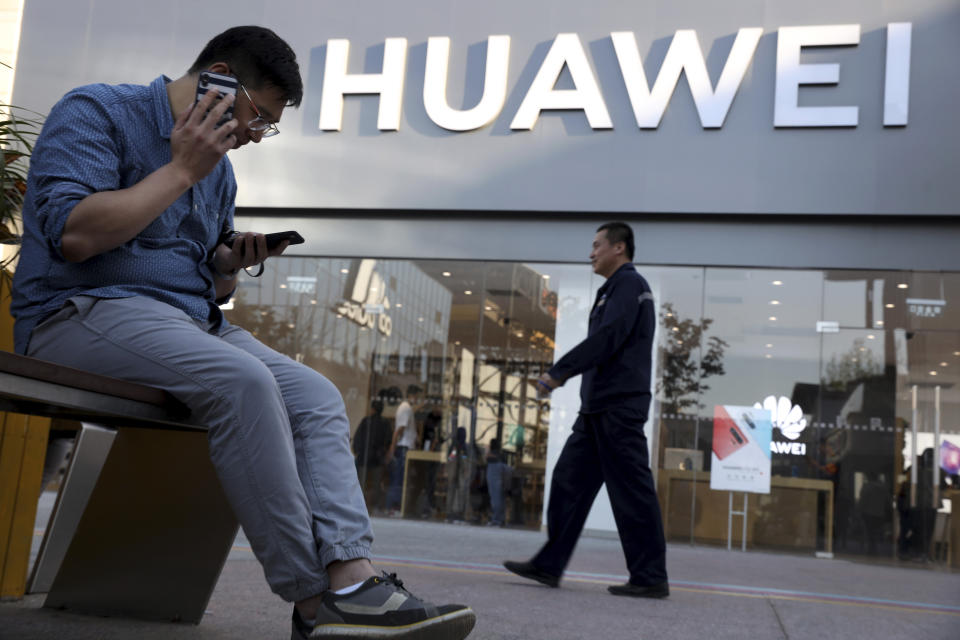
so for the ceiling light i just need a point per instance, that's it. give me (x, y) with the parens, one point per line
(889, 305)
(457, 342)
(546, 277)
(879, 323)
(956, 353)
(777, 283)
(871, 337)
(446, 274)
(468, 293)
(774, 302)
(313, 302)
(399, 305)
(344, 270)
(488, 308)
(902, 285)
(419, 319)
(676, 328)
(772, 318)
(943, 364)
(283, 286)
(769, 346)
(933, 373)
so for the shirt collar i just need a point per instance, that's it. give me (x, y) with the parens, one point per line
(161, 103)
(627, 266)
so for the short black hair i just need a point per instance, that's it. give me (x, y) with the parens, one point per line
(619, 232)
(257, 56)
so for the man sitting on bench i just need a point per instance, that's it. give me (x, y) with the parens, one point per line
(129, 209)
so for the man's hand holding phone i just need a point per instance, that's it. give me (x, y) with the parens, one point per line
(197, 143)
(242, 250)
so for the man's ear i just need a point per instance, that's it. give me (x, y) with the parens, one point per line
(220, 67)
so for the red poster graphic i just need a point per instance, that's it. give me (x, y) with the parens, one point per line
(727, 436)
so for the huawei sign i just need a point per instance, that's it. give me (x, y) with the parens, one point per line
(787, 417)
(684, 56)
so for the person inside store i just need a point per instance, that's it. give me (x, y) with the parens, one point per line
(875, 509)
(496, 485)
(405, 438)
(432, 441)
(607, 445)
(917, 520)
(459, 469)
(127, 252)
(370, 444)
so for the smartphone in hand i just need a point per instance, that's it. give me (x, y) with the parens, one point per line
(225, 84)
(273, 240)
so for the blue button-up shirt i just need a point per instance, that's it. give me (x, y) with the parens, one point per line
(616, 357)
(104, 138)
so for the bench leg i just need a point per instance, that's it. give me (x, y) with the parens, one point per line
(86, 461)
(154, 533)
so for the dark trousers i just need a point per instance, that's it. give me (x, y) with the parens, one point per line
(606, 448)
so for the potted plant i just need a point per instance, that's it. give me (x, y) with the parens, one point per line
(19, 128)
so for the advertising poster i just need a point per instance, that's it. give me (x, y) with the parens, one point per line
(741, 449)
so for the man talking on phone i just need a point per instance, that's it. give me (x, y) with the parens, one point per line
(607, 445)
(128, 248)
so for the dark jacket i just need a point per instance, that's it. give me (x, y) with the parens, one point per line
(372, 439)
(616, 357)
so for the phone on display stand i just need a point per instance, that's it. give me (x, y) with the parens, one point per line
(728, 440)
(225, 84)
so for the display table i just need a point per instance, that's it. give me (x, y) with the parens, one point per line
(420, 459)
(953, 528)
(787, 518)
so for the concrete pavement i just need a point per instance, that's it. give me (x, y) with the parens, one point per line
(715, 594)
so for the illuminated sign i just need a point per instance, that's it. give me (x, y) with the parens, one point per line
(302, 284)
(368, 301)
(923, 308)
(787, 417)
(684, 56)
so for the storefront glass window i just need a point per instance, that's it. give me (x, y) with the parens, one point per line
(858, 368)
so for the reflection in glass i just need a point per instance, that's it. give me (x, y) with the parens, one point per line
(859, 370)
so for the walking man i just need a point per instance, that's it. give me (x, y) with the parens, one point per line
(607, 444)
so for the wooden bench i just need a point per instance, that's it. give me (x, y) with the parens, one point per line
(141, 526)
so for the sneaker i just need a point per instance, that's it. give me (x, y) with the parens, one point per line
(661, 590)
(381, 608)
(530, 572)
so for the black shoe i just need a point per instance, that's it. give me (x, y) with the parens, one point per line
(661, 590)
(381, 608)
(530, 572)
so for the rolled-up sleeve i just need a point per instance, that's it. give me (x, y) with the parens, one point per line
(76, 155)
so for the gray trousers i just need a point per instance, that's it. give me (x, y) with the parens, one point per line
(279, 436)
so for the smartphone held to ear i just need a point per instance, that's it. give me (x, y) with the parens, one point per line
(224, 84)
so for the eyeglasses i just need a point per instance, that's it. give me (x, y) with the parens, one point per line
(260, 124)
